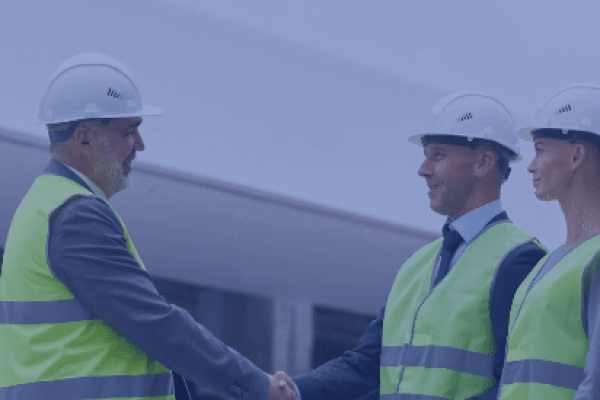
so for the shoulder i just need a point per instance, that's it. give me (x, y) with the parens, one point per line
(512, 271)
(524, 255)
(517, 264)
(84, 212)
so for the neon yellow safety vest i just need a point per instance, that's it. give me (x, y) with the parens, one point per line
(51, 347)
(439, 344)
(547, 344)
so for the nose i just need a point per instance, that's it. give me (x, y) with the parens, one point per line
(425, 169)
(531, 167)
(138, 143)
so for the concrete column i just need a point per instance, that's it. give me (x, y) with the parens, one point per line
(303, 336)
(211, 311)
(292, 335)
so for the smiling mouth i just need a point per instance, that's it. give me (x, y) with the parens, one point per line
(127, 167)
(434, 188)
(128, 162)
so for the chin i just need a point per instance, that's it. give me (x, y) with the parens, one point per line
(436, 208)
(544, 196)
(124, 184)
(120, 185)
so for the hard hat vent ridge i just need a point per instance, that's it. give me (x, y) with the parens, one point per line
(465, 117)
(112, 93)
(563, 109)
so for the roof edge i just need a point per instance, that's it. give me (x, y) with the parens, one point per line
(22, 138)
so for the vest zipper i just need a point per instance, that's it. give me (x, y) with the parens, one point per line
(412, 334)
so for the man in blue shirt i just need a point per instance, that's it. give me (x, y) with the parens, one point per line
(466, 162)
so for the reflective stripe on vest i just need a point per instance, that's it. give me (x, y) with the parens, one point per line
(438, 357)
(438, 342)
(541, 371)
(406, 396)
(42, 312)
(97, 387)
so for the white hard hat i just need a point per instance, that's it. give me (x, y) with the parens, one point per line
(474, 116)
(92, 86)
(575, 108)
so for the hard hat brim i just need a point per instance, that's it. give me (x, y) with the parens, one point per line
(526, 133)
(150, 111)
(416, 139)
(146, 111)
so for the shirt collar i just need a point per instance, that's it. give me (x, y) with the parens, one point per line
(470, 224)
(97, 191)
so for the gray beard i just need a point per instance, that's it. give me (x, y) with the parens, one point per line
(112, 172)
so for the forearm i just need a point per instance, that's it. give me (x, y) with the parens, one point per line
(181, 344)
(88, 253)
(351, 376)
(338, 380)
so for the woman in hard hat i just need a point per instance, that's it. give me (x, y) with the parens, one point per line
(555, 322)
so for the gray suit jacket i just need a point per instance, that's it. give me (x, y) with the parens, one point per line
(88, 253)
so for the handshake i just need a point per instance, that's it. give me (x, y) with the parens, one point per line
(281, 387)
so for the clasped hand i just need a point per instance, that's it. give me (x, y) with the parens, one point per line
(281, 387)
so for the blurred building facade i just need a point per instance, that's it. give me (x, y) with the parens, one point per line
(287, 283)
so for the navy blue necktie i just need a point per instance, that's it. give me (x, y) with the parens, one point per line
(451, 241)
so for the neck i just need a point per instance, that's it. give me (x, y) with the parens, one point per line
(81, 168)
(581, 208)
(73, 162)
(475, 200)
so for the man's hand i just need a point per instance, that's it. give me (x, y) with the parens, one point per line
(281, 387)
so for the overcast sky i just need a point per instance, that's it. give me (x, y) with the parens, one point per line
(312, 99)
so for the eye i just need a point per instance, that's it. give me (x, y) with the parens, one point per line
(129, 132)
(434, 154)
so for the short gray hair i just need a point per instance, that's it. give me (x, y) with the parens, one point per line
(57, 147)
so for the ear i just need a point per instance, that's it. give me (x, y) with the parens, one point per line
(82, 136)
(486, 161)
(578, 154)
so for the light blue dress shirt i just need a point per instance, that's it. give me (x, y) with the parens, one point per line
(470, 225)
